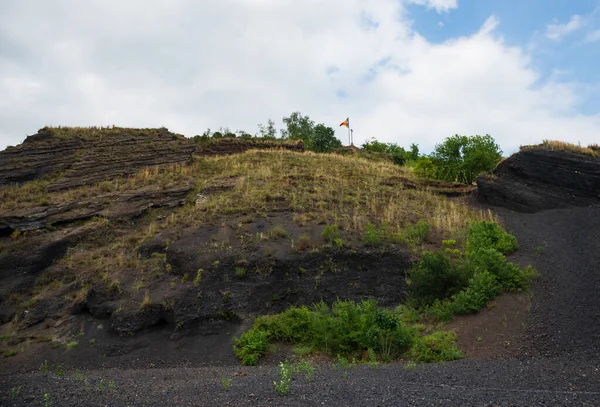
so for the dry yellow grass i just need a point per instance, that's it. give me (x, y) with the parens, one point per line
(350, 192)
(591, 150)
(34, 193)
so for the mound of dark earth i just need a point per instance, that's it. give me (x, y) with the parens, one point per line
(87, 156)
(536, 179)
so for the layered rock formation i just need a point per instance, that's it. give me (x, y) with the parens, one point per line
(536, 179)
(84, 156)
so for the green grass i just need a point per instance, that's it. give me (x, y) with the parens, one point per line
(346, 329)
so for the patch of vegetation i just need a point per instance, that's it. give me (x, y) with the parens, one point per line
(445, 285)
(437, 347)
(373, 236)
(285, 378)
(345, 328)
(460, 159)
(198, 277)
(44, 367)
(398, 155)
(9, 353)
(240, 272)
(554, 145)
(278, 232)
(72, 344)
(226, 383)
(304, 243)
(330, 233)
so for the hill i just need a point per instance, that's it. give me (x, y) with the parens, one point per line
(181, 242)
(163, 266)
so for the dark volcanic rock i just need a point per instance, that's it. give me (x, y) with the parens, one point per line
(112, 206)
(536, 179)
(87, 156)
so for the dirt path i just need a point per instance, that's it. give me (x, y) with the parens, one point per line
(557, 363)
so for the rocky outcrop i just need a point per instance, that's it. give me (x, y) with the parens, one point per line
(537, 179)
(85, 156)
(111, 206)
(226, 146)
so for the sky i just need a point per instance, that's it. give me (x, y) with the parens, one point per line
(403, 71)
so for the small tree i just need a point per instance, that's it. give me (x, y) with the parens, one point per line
(269, 131)
(461, 158)
(298, 127)
(324, 140)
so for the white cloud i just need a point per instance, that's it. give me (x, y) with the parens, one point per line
(559, 31)
(593, 36)
(191, 65)
(439, 5)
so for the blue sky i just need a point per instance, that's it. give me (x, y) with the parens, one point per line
(524, 23)
(403, 71)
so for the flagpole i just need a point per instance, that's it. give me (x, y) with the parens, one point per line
(349, 139)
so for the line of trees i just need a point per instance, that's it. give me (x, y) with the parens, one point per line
(457, 159)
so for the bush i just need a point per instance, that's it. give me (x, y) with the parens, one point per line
(462, 158)
(330, 233)
(278, 232)
(489, 235)
(251, 346)
(345, 328)
(304, 242)
(482, 288)
(373, 236)
(437, 347)
(440, 310)
(414, 234)
(437, 277)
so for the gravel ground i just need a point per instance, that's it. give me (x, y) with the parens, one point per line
(561, 366)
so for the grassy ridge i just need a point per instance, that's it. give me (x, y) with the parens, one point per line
(554, 145)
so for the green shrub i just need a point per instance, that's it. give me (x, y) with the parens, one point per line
(240, 272)
(489, 235)
(461, 158)
(373, 236)
(345, 328)
(482, 288)
(440, 310)
(198, 277)
(330, 233)
(250, 346)
(437, 347)
(509, 275)
(418, 232)
(278, 232)
(437, 277)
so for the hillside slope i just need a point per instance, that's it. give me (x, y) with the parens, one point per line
(193, 246)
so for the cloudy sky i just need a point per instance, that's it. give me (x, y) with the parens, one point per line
(404, 71)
